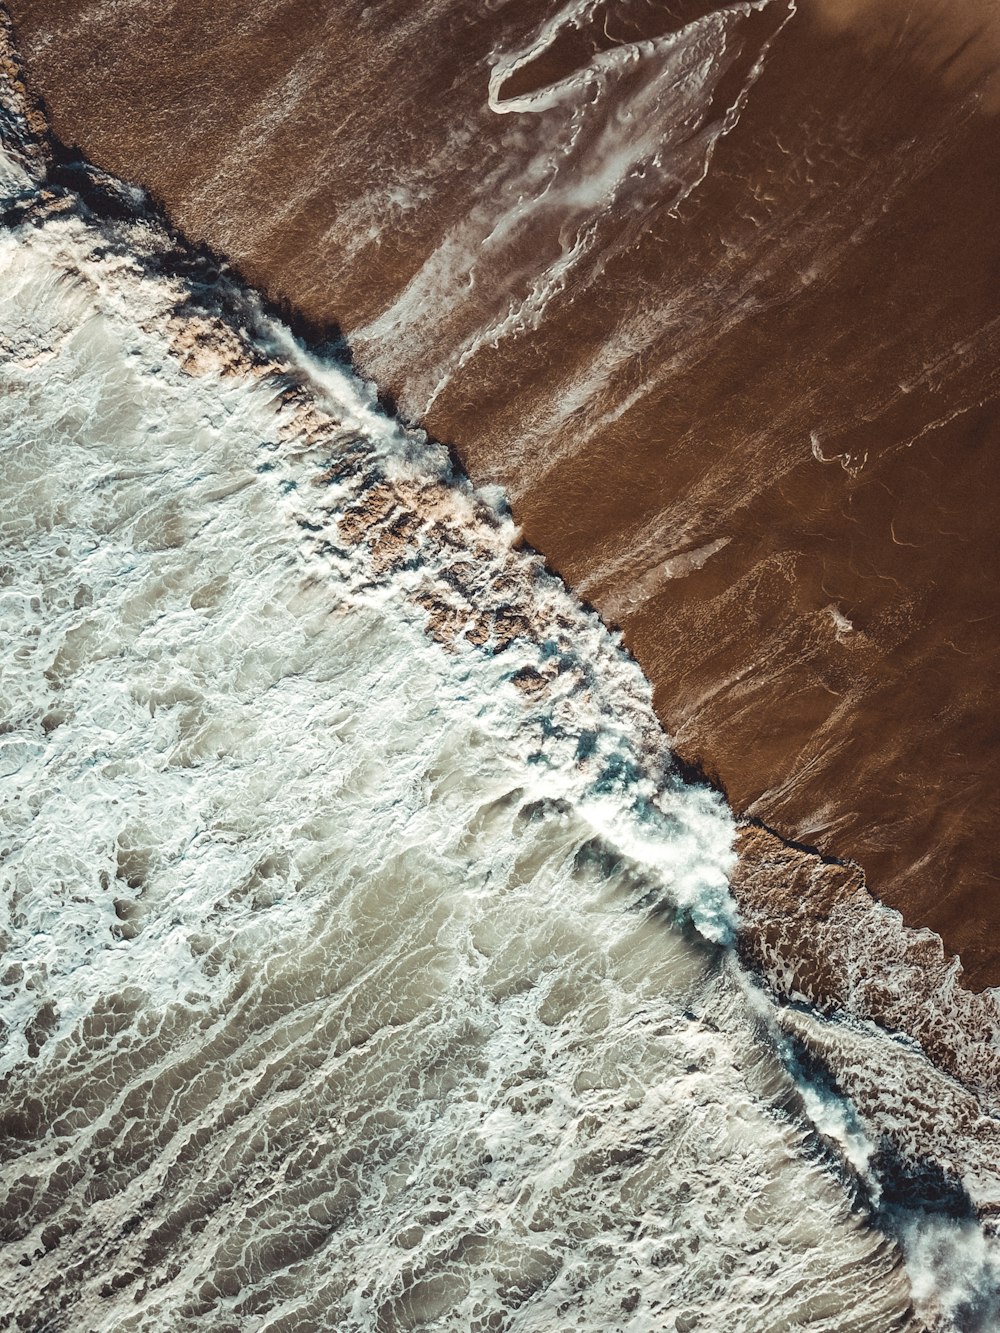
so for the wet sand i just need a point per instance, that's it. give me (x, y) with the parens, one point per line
(712, 293)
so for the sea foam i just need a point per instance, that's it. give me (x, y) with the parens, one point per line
(365, 957)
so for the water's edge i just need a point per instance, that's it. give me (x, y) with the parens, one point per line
(808, 928)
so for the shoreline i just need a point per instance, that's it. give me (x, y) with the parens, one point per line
(788, 938)
(219, 335)
(798, 635)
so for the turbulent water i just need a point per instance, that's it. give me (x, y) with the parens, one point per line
(709, 286)
(366, 962)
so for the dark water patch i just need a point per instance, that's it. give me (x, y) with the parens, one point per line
(909, 1184)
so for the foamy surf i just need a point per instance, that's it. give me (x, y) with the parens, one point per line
(365, 960)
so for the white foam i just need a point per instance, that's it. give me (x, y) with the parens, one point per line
(332, 969)
(954, 1271)
(350, 983)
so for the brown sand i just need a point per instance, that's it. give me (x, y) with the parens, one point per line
(741, 386)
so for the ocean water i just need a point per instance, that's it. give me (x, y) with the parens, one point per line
(708, 288)
(367, 964)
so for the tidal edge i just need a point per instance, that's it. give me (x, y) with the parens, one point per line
(810, 928)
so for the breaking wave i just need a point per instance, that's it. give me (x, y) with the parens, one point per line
(366, 960)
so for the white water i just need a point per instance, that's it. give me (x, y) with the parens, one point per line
(347, 982)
